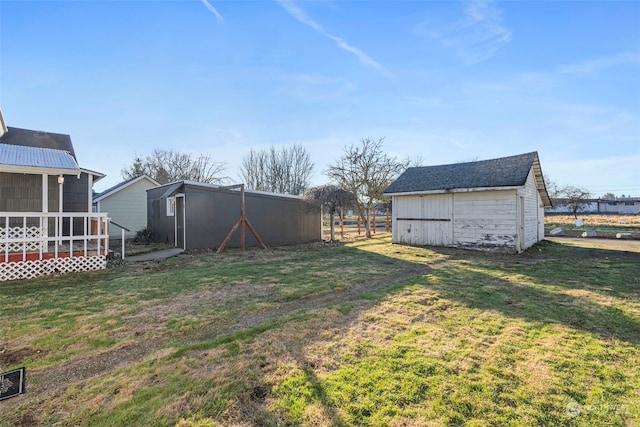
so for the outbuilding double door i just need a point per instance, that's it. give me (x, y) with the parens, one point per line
(424, 220)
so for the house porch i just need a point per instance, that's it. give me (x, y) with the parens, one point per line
(33, 244)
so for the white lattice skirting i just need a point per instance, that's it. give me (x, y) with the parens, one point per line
(30, 269)
(30, 233)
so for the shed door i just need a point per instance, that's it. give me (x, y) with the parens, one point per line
(437, 214)
(425, 220)
(180, 228)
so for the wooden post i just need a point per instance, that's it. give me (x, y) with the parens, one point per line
(243, 218)
(359, 222)
(388, 220)
(374, 220)
(342, 223)
(242, 222)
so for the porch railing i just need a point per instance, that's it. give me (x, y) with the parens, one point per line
(37, 235)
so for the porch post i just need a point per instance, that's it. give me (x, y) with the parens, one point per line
(90, 193)
(44, 220)
(45, 193)
(60, 191)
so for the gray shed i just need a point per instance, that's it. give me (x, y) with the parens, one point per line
(496, 205)
(192, 215)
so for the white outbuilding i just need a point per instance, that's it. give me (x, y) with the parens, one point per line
(494, 205)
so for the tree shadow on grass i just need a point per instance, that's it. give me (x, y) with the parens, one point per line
(549, 296)
(509, 285)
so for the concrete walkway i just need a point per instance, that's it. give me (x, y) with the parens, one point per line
(155, 255)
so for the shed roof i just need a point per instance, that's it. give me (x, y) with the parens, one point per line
(173, 187)
(17, 158)
(503, 172)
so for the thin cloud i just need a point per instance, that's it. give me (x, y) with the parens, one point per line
(598, 64)
(476, 37)
(212, 9)
(302, 16)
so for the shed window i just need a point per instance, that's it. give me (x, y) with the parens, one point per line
(171, 206)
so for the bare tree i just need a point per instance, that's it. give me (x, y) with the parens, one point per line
(168, 165)
(331, 198)
(576, 198)
(286, 171)
(366, 171)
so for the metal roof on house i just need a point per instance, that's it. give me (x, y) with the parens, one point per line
(39, 139)
(14, 157)
(494, 173)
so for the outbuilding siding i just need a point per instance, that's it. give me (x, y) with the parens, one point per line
(211, 212)
(532, 212)
(485, 220)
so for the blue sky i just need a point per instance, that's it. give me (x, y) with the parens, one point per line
(444, 80)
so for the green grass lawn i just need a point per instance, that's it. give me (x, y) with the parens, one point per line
(366, 333)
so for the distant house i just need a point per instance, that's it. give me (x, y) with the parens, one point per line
(126, 203)
(494, 205)
(46, 223)
(192, 215)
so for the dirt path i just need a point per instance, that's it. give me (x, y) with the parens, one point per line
(613, 244)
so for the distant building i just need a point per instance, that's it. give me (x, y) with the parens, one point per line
(126, 203)
(619, 205)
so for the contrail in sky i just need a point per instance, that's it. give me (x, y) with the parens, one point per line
(212, 9)
(301, 16)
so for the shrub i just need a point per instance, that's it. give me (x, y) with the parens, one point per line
(143, 236)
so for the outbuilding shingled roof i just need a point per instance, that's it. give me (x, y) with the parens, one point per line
(503, 172)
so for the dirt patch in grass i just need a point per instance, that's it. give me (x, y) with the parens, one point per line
(12, 357)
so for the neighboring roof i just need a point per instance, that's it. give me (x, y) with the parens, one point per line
(121, 186)
(620, 199)
(495, 173)
(563, 200)
(16, 159)
(39, 139)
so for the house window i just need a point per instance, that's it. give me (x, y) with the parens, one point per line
(628, 203)
(613, 203)
(171, 206)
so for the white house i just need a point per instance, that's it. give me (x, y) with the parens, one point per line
(495, 205)
(126, 203)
